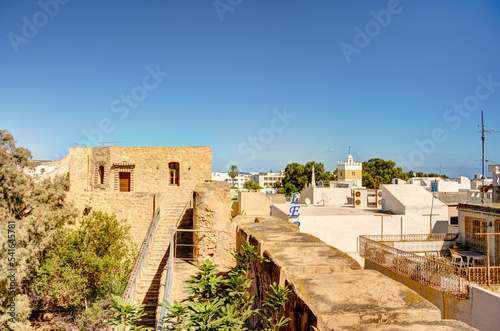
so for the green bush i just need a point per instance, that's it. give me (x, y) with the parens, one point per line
(223, 301)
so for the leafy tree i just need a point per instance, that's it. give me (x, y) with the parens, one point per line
(377, 171)
(298, 175)
(223, 301)
(88, 264)
(319, 172)
(233, 172)
(289, 189)
(295, 175)
(35, 213)
(252, 185)
(278, 184)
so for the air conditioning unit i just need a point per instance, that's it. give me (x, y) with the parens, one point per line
(360, 198)
(379, 198)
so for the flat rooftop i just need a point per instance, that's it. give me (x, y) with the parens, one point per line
(330, 210)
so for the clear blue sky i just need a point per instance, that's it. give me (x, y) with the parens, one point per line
(396, 80)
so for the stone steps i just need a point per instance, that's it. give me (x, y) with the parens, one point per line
(148, 287)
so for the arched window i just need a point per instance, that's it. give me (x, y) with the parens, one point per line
(101, 175)
(173, 168)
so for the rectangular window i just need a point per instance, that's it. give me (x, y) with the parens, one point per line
(472, 226)
(174, 173)
(354, 173)
(124, 179)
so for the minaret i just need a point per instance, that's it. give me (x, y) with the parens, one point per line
(350, 171)
(313, 180)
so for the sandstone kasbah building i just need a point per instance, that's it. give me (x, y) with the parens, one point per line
(132, 182)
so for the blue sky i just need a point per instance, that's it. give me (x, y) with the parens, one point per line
(265, 83)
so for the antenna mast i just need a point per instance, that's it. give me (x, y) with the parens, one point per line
(483, 131)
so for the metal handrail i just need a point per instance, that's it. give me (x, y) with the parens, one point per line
(135, 273)
(414, 237)
(151, 143)
(167, 294)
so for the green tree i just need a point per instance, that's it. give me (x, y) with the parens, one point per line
(378, 171)
(252, 185)
(33, 214)
(298, 175)
(233, 172)
(278, 184)
(320, 174)
(295, 175)
(88, 264)
(289, 189)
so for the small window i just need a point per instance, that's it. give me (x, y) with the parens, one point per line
(174, 173)
(101, 175)
(354, 173)
(341, 173)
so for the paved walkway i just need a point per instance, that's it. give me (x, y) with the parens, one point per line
(182, 271)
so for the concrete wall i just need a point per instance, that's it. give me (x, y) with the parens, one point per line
(475, 196)
(447, 186)
(485, 309)
(276, 211)
(391, 202)
(338, 196)
(253, 203)
(149, 168)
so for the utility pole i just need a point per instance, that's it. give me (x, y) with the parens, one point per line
(483, 131)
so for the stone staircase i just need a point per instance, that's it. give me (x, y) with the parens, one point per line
(148, 287)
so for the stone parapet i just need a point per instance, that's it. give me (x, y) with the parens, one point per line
(330, 291)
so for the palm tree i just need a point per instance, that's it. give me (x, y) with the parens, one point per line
(233, 172)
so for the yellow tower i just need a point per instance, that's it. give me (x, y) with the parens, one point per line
(350, 171)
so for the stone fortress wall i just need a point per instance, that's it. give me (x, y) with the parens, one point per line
(149, 167)
(150, 180)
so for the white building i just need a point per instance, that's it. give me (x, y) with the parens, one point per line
(267, 180)
(39, 171)
(237, 182)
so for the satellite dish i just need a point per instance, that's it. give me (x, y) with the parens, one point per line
(325, 198)
(308, 201)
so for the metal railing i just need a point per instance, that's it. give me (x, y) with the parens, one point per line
(414, 237)
(152, 144)
(128, 293)
(167, 295)
(479, 275)
(438, 275)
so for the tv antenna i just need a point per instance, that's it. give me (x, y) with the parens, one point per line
(483, 131)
